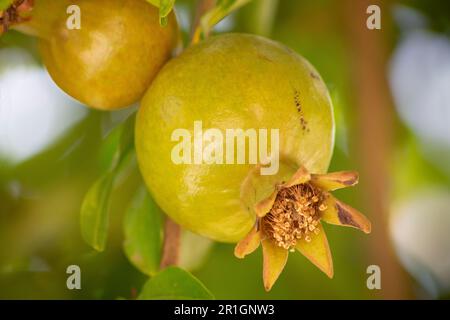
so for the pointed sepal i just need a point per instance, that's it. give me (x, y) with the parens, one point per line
(300, 176)
(317, 251)
(249, 244)
(335, 180)
(274, 260)
(263, 207)
(339, 213)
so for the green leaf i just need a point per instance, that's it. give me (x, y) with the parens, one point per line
(116, 150)
(143, 230)
(4, 4)
(260, 17)
(174, 284)
(94, 212)
(220, 11)
(154, 2)
(165, 7)
(117, 144)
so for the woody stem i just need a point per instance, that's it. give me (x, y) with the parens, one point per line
(171, 246)
(11, 15)
(202, 7)
(172, 231)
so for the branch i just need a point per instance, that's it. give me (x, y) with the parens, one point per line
(14, 14)
(203, 6)
(374, 116)
(172, 231)
(171, 247)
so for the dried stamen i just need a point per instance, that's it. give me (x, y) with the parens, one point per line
(294, 215)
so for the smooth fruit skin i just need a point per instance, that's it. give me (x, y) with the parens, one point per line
(231, 81)
(111, 61)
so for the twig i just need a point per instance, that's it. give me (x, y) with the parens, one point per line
(172, 231)
(203, 6)
(13, 14)
(374, 112)
(171, 247)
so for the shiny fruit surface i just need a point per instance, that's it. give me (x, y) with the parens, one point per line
(229, 82)
(112, 59)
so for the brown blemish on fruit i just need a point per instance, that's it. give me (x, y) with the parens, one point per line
(298, 105)
(314, 76)
(345, 217)
(288, 49)
(297, 101)
(264, 57)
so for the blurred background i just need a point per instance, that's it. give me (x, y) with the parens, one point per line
(391, 94)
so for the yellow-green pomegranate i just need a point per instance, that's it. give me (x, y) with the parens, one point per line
(202, 170)
(111, 59)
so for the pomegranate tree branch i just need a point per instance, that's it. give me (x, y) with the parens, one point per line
(369, 52)
(13, 14)
(172, 231)
(202, 7)
(171, 246)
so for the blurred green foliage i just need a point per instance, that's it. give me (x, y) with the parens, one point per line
(436, 10)
(40, 199)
